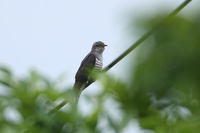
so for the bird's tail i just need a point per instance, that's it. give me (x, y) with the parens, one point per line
(77, 92)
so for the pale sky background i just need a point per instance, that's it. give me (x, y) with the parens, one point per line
(53, 36)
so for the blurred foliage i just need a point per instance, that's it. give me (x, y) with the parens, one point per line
(166, 87)
(163, 92)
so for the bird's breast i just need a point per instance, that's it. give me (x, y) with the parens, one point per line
(99, 63)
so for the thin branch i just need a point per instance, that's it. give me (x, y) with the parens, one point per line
(134, 45)
(58, 107)
(146, 35)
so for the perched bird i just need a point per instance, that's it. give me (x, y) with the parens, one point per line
(93, 61)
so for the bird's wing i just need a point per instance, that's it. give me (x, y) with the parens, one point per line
(88, 62)
(82, 75)
(86, 65)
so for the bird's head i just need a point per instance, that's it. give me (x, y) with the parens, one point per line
(98, 47)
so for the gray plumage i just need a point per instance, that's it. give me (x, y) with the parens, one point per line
(93, 61)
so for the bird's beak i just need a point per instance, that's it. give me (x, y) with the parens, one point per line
(105, 45)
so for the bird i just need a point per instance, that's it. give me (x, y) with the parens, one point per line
(92, 62)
